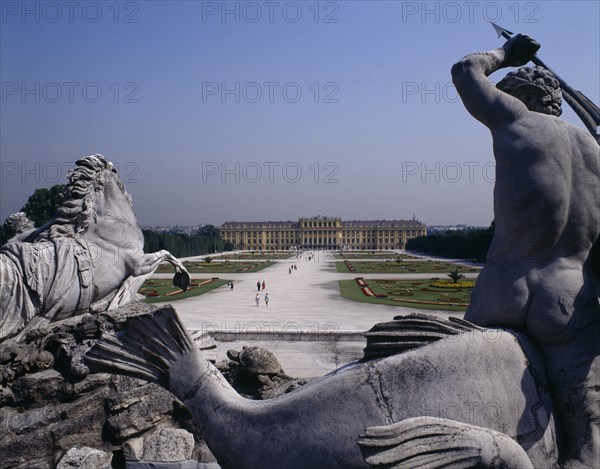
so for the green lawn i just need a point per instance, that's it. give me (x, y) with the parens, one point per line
(224, 267)
(409, 267)
(162, 287)
(408, 293)
(251, 256)
(372, 255)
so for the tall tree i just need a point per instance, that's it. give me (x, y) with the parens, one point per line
(209, 231)
(42, 204)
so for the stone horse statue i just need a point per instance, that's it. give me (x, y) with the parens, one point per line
(429, 393)
(88, 258)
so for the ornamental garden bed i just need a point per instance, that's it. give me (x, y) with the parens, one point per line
(372, 255)
(424, 294)
(257, 255)
(223, 267)
(156, 290)
(393, 267)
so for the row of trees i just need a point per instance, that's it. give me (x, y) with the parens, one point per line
(42, 205)
(465, 244)
(206, 240)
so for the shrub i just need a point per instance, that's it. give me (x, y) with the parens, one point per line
(455, 275)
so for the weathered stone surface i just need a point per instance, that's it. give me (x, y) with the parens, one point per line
(138, 409)
(33, 437)
(133, 449)
(85, 458)
(44, 413)
(256, 360)
(18, 223)
(38, 388)
(169, 444)
(256, 373)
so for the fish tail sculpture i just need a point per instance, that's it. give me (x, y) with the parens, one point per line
(366, 414)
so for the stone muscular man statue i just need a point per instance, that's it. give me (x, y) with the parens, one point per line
(542, 269)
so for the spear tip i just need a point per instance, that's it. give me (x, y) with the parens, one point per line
(500, 31)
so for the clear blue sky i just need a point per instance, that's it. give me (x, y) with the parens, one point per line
(198, 103)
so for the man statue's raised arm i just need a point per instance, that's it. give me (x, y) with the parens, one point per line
(482, 99)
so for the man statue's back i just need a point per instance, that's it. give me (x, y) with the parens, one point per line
(539, 274)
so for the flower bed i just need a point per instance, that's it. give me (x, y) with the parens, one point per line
(424, 302)
(367, 291)
(401, 293)
(450, 284)
(389, 266)
(364, 286)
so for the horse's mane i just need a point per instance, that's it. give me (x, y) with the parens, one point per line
(78, 207)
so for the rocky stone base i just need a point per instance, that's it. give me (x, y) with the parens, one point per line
(54, 414)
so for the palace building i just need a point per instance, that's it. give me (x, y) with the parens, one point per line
(321, 233)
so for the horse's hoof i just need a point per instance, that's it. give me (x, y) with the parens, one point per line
(181, 280)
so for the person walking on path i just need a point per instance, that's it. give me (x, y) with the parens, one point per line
(258, 285)
(231, 286)
(257, 299)
(267, 300)
(264, 285)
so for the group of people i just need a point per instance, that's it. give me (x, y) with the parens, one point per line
(261, 287)
(257, 299)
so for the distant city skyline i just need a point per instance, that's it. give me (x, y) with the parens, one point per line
(221, 111)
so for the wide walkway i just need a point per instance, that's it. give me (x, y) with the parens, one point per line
(307, 299)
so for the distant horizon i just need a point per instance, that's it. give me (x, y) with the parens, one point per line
(143, 226)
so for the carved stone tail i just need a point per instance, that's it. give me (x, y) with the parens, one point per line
(145, 348)
(406, 333)
(432, 443)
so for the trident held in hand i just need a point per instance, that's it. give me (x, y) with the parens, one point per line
(587, 111)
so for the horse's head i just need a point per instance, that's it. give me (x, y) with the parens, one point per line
(111, 201)
(94, 195)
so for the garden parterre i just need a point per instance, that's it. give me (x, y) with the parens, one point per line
(417, 267)
(158, 290)
(416, 293)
